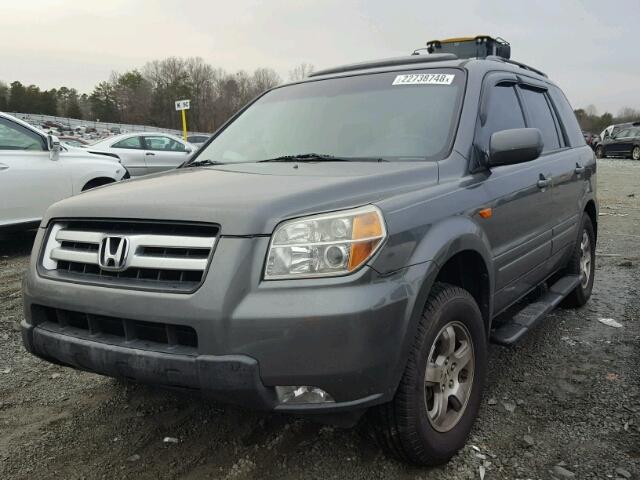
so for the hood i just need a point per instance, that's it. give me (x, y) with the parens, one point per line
(248, 199)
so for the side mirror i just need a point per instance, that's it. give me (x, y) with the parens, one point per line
(53, 145)
(187, 151)
(517, 145)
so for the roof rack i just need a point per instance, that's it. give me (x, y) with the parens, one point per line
(389, 62)
(479, 46)
(495, 58)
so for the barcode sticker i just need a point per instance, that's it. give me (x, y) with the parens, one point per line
(424, 79)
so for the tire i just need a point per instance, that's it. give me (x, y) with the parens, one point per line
(576, 266)
(404, 428)
(599, 151)
(635, 153)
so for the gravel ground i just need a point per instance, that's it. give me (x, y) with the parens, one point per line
(565, 403)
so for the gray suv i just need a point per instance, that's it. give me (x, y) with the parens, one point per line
(345, 244)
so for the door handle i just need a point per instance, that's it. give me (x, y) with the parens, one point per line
(3, 166)
(544, 182)
(149, 153)
(579, 169)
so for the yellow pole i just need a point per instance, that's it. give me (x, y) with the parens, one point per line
(184, 125)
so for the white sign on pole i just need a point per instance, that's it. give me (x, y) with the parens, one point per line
(183, 104)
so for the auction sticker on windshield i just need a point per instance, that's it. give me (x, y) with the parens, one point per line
(424, 79)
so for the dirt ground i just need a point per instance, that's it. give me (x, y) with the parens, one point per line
(565, 403)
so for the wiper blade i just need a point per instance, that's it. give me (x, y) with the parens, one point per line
(203, 163)
(320, 157)
(308, 157)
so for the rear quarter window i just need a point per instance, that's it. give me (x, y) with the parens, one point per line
(567, 117)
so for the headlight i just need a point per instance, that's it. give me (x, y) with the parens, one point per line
(325, 245)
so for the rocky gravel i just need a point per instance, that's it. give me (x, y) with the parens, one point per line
(564, 403)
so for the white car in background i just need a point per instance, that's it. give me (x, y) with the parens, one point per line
(37, 171)
(143, 153)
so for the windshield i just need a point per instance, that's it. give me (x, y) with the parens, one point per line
(397, 116)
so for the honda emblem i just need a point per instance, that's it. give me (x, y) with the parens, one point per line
(113, 252)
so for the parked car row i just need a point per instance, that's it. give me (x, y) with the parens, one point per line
(591, 139)
(39, 166)
(37, 170)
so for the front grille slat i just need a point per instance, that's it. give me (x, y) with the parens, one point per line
(135, 333)
(161, 256)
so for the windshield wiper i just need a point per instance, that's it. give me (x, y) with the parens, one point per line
(320, 157)
(203, 163)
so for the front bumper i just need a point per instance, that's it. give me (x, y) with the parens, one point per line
(347, 335)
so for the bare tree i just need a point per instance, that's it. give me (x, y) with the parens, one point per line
(300, 72)
(591, 110)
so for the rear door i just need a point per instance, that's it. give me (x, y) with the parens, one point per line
(567, 166)
(130, 150)
(634, 140)
(163, 152)
(620, 143)
(30, 180)
(519, 230)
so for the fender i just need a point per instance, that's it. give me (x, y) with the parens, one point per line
(437, 243)
(441, 242)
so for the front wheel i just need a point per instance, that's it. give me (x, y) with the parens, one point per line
(599, 151)
(440, 392)
(635, 153)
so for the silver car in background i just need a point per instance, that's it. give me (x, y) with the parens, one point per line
(144, 153)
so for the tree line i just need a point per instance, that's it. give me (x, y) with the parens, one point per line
(146, 96)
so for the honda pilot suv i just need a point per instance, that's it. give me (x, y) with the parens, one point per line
(345, 244)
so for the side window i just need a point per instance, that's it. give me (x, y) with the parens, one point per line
(162, 143)
(567, 117)
(17, 137)
(503, 113)
(540, 117)
(131, 142)
(622, 133)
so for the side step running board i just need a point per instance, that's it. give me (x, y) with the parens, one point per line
(514, 329)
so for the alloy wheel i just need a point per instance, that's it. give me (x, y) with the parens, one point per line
(635, 154)
(449, 376)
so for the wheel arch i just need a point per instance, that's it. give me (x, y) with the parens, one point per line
(460, 252)
(450, 263)
(97, 182)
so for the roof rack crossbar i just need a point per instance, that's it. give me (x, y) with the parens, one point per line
(519, 64)
(389, 62)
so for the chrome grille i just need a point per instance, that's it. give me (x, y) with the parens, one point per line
(159, 256)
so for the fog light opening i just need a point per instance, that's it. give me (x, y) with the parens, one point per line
(302, 394)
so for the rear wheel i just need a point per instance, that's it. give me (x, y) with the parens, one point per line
(583, 263)
(438, 398)
(599, 151)
(635, 153)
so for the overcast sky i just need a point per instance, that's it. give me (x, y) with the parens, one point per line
(589, 47)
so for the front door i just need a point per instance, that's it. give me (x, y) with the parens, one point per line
(130, 150)
(163, 152)
(519, 229)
